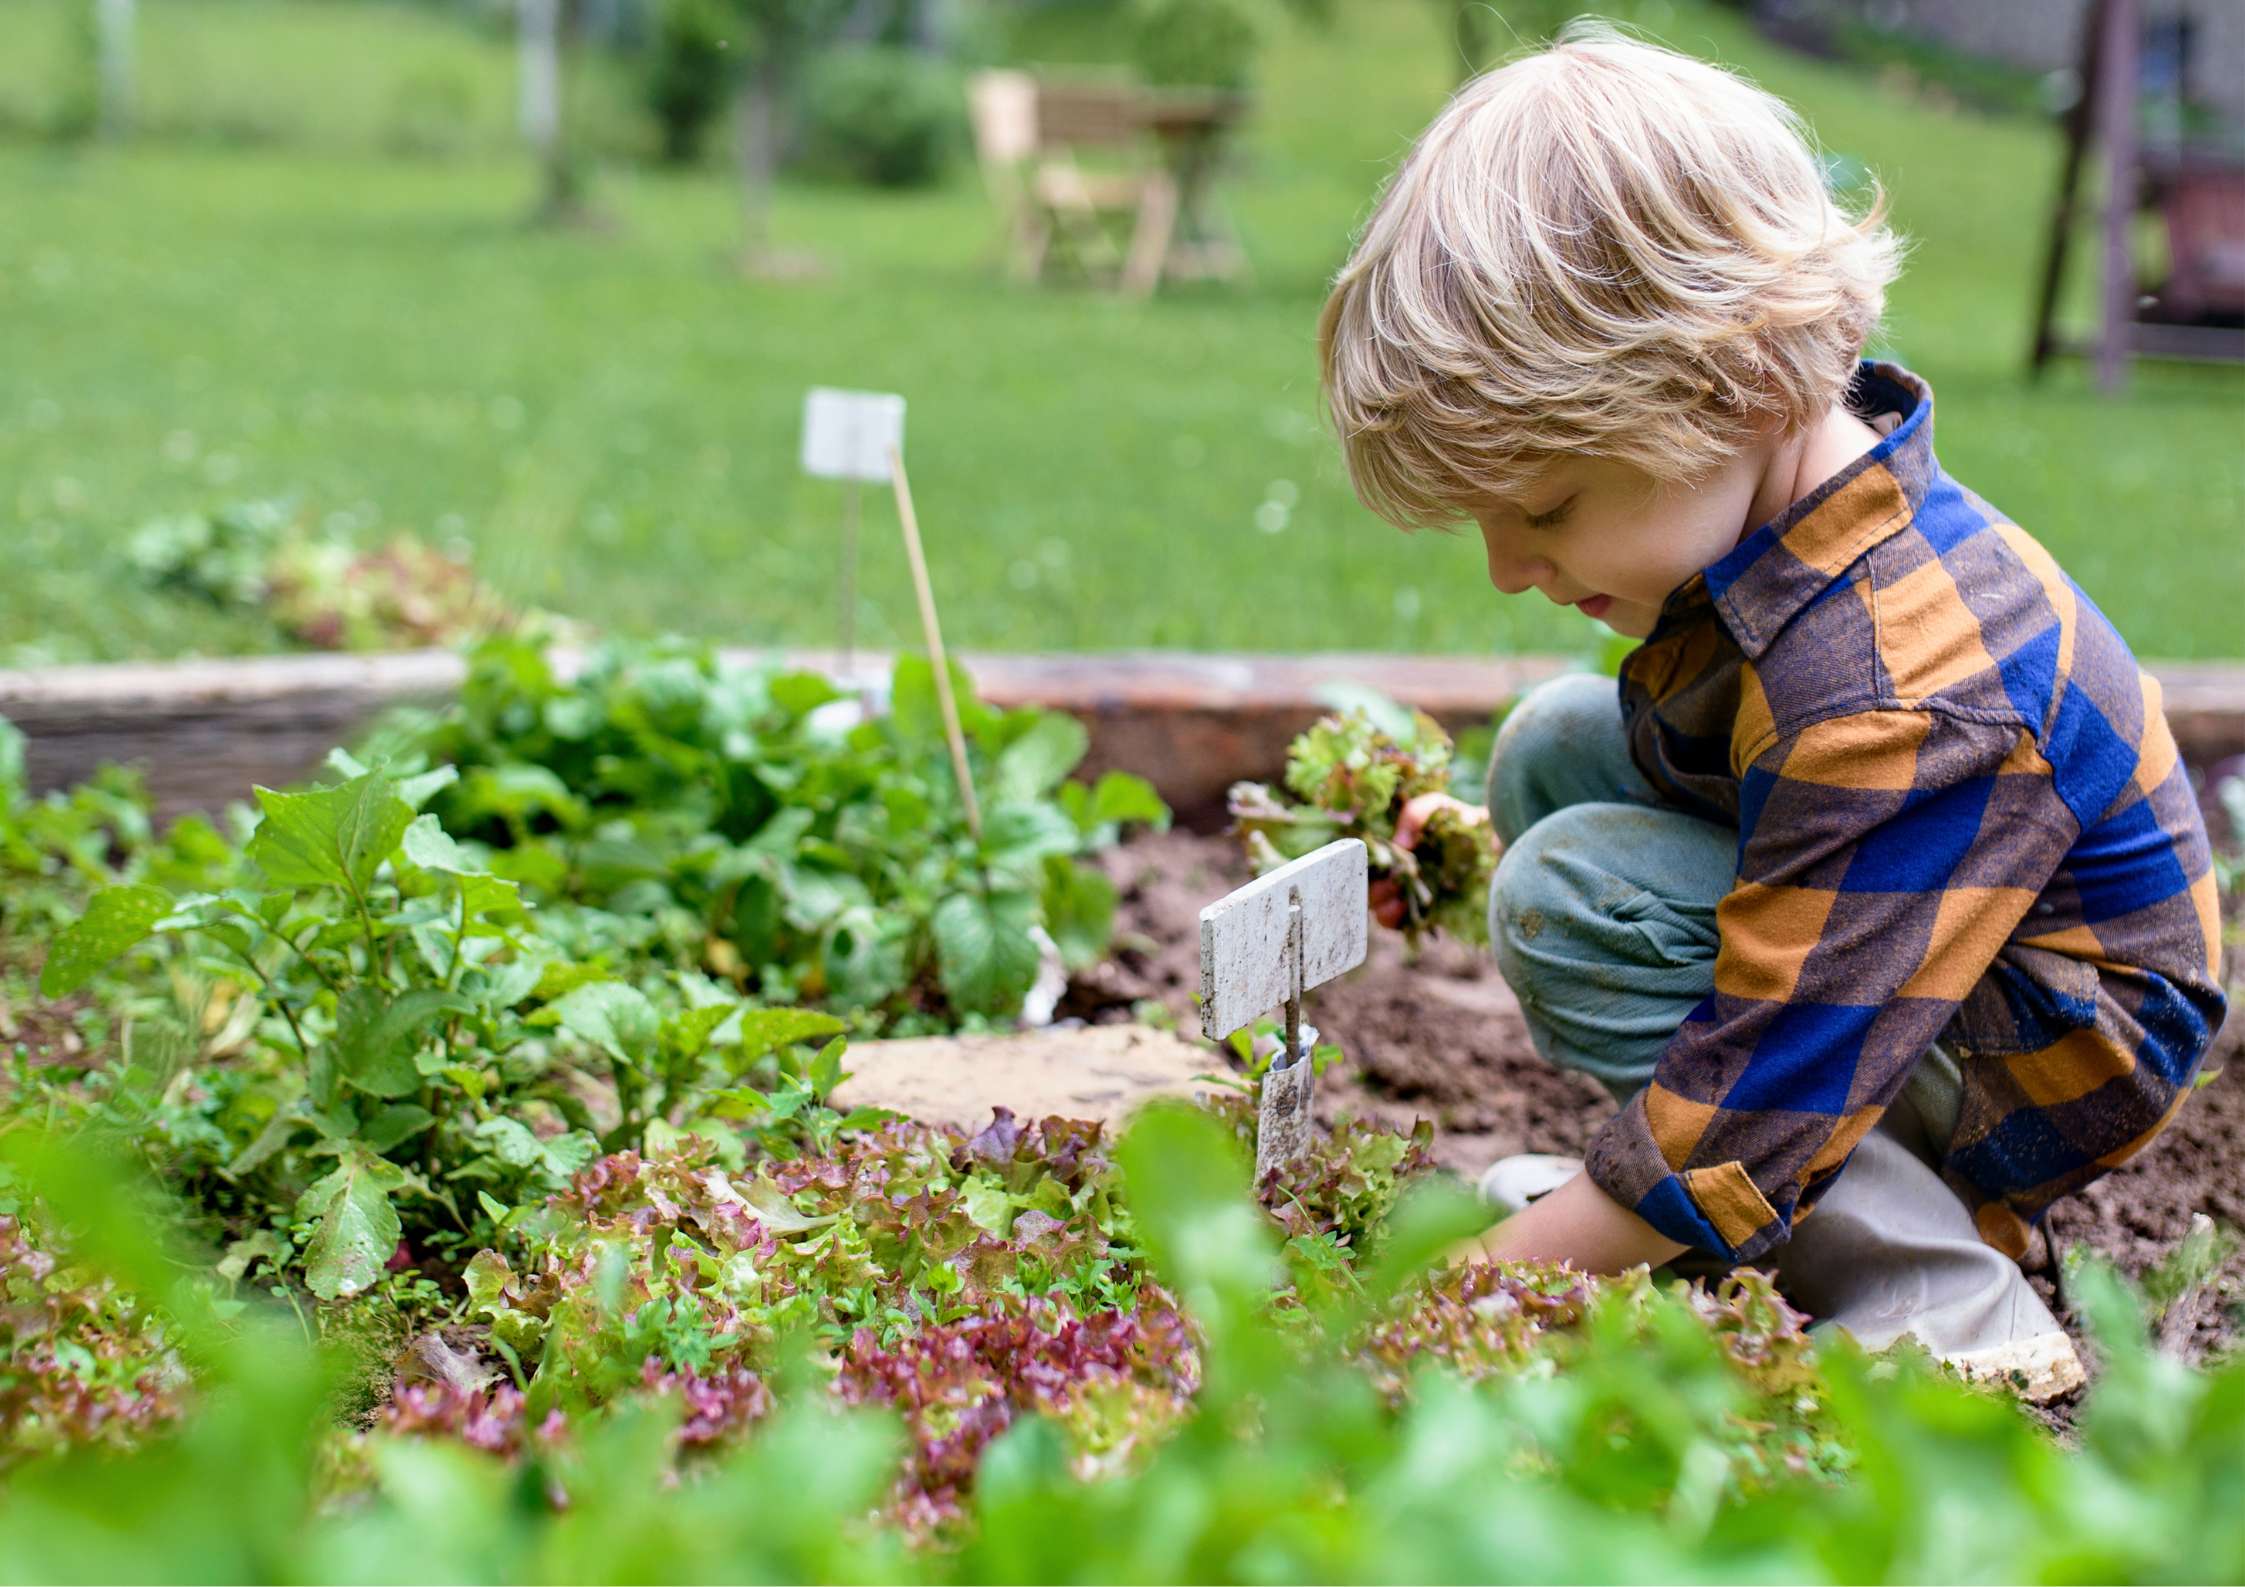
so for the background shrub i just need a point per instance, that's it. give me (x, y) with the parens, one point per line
(879, 115)
(1193, 44)
(689, 71)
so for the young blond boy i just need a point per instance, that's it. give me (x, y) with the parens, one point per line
(1880, 890)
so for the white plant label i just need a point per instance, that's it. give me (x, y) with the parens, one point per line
(1244, 966)
(849, 434)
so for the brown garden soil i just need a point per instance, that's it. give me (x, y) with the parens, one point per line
(1442, 1038)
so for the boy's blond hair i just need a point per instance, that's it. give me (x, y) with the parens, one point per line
(1603, 248)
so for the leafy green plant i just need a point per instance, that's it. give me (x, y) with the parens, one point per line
(415, 1059)
(318, 588)
(80, 1363)
(1346, 1184)
(1489, 1424)
(753, 832)
(961, 1279)
(971, 1282)
(655, 1307)
(689, 73)
(1193, 43)
(1349, 776)
(367, 1042)
(54, 849)
(57, 848)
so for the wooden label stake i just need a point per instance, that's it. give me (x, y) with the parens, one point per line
(1261, 948)
(934, 635)
(850, 436)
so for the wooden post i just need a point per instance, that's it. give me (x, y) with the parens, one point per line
(756, 152)
(2080, 125)
(2115, 121)
(934, 634)
(548, 46)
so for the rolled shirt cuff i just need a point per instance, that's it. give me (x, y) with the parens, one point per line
(1717, 1208)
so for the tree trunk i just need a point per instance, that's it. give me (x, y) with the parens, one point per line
(757, 131)
(545, 30)
(113, 65)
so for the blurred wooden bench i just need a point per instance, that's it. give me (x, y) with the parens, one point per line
(1069, 168)
(1104, 177)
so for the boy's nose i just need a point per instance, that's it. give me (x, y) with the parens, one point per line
(1516, 575)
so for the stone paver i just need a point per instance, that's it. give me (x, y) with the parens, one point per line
(1098, 1072)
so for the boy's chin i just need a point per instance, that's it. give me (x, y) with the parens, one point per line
(1629, 620)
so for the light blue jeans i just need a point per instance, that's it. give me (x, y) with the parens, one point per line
(1602, 917)
(1603, 912)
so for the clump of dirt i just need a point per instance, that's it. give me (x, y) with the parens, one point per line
(1442, 1038)
(40, 1032)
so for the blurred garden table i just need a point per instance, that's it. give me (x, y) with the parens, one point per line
(1179, 235)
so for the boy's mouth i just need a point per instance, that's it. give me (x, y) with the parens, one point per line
(1594, 605)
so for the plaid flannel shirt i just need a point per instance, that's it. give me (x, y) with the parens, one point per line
(1961, 816)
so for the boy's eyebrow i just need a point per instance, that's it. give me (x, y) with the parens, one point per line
(1558, 481)
(1519, 508)
(1550, 491)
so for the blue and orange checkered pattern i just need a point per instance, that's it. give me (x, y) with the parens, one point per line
(1961, 818)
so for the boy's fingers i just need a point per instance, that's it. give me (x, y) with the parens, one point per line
(1412, 819)
(1387, 902)
(1416, 813)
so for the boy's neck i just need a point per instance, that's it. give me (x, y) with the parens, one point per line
(1805, 459)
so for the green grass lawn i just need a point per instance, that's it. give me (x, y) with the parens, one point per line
(610, 419)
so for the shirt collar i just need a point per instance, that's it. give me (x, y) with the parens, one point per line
(1794, 558)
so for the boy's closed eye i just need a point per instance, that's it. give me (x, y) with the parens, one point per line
(1550, 517)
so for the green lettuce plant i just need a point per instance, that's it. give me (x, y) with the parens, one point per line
(1349, 776)
(416, 1059)
(749, 823)
(1494, 1424)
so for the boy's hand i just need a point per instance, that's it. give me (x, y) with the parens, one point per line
(1387, 898)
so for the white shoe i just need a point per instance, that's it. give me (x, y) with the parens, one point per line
(1510, 1183)
(2037, 1370)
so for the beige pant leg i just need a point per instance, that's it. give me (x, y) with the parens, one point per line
(1890, 1250)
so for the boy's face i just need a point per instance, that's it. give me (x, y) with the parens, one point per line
(1613, 541)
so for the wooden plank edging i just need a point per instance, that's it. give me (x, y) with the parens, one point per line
(1194, 723)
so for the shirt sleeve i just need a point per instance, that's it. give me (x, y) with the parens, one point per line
(1884, 859)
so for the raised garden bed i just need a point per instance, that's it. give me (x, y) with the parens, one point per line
(1190, 723)
(591, 1193)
